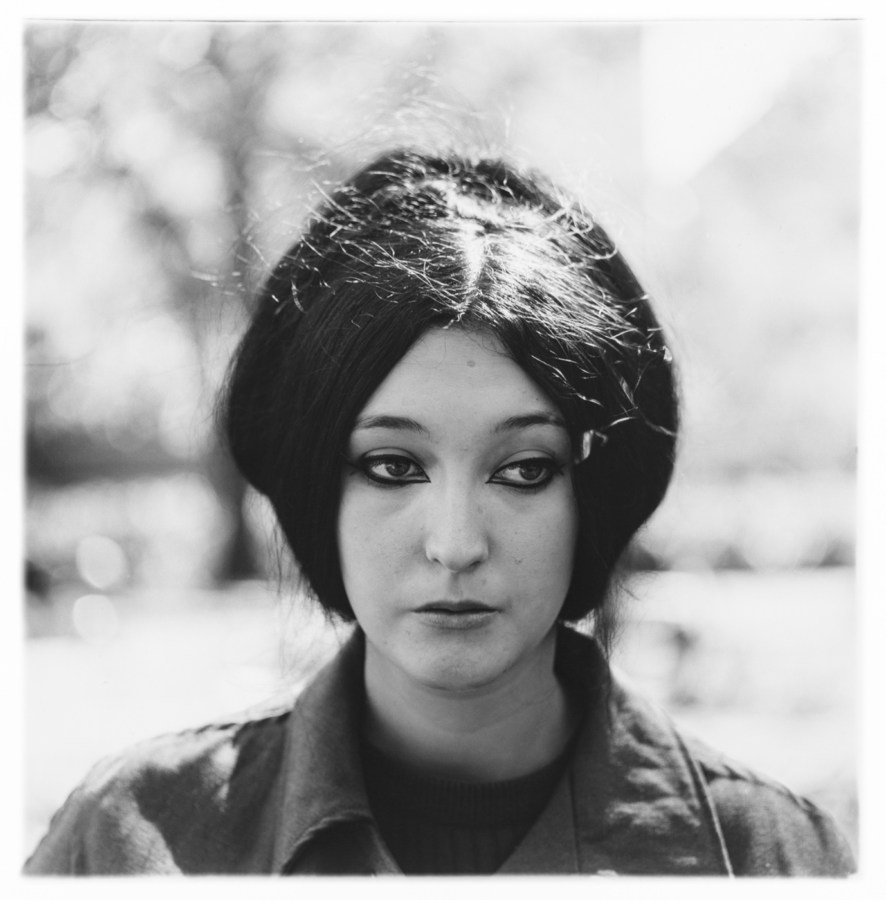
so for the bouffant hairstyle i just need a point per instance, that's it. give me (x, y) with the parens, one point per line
(413, 242)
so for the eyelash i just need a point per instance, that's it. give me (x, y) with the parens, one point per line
(364, 466)
(550, 469)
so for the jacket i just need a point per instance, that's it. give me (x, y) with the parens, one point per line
(281, 792)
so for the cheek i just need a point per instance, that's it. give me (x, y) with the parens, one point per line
(354, 542)
(370, 545)
(542, 547)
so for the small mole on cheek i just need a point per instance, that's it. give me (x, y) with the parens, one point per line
(471, 364)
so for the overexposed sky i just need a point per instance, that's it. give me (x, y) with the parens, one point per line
(706, 82)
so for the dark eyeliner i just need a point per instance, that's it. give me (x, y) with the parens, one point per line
(551, 466)
(364, 467)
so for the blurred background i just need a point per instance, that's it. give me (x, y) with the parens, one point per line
(168, 165)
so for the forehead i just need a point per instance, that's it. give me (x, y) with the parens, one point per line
(456, 373)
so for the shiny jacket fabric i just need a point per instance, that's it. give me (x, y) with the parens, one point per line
(282, 793)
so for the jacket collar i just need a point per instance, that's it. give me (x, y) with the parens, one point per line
(634, 796)
(322, 772)
(632, 802)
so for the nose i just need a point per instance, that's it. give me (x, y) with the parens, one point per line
(456, 536)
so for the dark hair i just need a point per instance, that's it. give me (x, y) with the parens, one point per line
(414, 241)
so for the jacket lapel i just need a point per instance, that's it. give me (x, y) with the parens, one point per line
(322, 777)
(632, 802)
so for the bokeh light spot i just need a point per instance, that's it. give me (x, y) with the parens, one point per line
(101, 562)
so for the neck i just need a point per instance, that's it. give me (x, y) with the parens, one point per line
(491, 733)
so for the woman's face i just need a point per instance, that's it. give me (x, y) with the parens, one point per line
(458, 521)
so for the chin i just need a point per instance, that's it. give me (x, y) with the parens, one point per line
(459, 675)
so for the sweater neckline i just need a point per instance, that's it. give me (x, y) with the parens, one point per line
(406, 788)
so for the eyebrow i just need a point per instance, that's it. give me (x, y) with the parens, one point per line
(512, 423)
(527, 421)
(398, 423)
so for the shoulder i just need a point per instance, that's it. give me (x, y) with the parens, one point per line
(767, 829)
(169, 803)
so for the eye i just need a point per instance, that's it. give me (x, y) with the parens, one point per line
(527, 473)
(391, 469)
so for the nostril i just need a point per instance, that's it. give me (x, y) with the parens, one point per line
(456, 535)
(457, 552)
(456, 559)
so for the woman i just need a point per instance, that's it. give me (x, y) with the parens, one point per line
(458, 400)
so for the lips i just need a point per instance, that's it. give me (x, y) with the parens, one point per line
(456, 607)
(456, 615)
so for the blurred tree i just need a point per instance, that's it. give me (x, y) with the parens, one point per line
(170, 129)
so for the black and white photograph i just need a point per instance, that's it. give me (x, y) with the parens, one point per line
(441, 447)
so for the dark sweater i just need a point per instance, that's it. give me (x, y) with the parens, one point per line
(442, 827)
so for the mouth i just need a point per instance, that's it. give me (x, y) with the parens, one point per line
(456, 607)
(456, 614)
